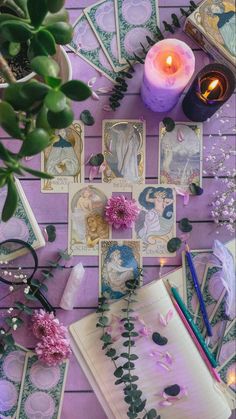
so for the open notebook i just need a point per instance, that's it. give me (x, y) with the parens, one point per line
(206, 398)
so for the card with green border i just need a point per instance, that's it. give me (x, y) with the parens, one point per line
(42, 389)
(135, 20)
(101, 17)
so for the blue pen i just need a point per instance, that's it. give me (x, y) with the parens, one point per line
(198, 291)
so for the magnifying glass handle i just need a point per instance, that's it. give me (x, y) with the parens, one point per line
(43, 300)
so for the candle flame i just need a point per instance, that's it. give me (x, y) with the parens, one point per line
(169, 60)
(231, 378)
(211, 87)
(162, 262)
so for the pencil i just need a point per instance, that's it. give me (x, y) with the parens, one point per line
(198, 291)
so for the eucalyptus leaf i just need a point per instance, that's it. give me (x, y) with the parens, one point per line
(61, 119)
(8, 340)
(45, 66)
(152, 414)
(62, 32)
(97, 160)
(87, 118)
(35, 142)
(169, 124)
(15, 31)
(11, 201)
(55, 101)
(37, 10)
(51, 232)
(173, 244)
(9, 120)
(118, 372)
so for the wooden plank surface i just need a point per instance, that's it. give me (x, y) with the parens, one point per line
(79, 400)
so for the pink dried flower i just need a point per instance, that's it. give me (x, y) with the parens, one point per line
(45, 324)
(53, 350)
(121, 212)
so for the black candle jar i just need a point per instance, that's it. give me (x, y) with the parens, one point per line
(212, 87)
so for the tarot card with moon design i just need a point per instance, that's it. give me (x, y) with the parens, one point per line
(119, 261)
(124, 152)
(180, 154)
(64, 159)
(155, 224)
(86, 217)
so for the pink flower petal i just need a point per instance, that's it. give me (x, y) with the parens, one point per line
(92, 173)
(162, 365)
(162, 320)
(169, 315)
(95, 96)
(180, 135)
(165, 403)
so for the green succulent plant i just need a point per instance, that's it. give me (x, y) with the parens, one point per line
(31, 111)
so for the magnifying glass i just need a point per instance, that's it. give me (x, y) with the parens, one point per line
(18, 264)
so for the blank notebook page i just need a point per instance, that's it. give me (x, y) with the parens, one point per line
(205, 400)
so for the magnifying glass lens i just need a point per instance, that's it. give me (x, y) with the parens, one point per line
(17, 264)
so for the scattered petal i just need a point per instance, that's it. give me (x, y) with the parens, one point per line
(169, 316)
(107, 108)
(180, 135)
(162, 320)
(104, 89)
(163, 365)
(92, 81)
(94, 95)
(165, 403)
(93, 173)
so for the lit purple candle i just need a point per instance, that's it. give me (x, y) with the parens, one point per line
(169, 65)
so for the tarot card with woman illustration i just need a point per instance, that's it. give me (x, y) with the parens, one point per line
(155, 224)
(119, 261)
(86, 217)
(124, 152)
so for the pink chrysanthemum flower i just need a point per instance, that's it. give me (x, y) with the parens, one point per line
(53, 350)
(45, 324)
(121, 212)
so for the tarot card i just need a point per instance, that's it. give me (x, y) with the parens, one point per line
(42, 389)
(228, 347)
(155, 224)
(11, 372)
(200, 259)
(227, 373)
(180, 154)
(22, 225)
(86, 217)
(101, 17)
(217, 320)
(135, 20)
(119, 261)
(213, 293)
(124, 152)
(64, 159)
(86, 45)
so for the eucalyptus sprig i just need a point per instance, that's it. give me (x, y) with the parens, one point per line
(14, 320)
(133, 396)
(122, 86)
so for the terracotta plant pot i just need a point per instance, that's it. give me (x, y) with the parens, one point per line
(65, 68)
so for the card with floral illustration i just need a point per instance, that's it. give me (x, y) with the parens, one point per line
(135, 20)
(22, 225)
(156, 222)
(119, 261)
(42, 389)
(180, 154)
(86, 217)
(86, 45)
(11, 372)
(124, 152)
(64, 159)
(101, 17)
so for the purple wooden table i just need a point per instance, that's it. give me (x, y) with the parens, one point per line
(79, 400)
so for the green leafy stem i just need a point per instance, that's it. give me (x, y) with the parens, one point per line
(124, 373)
(122, 85)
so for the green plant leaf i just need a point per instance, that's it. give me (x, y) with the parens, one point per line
(35, 142)
(45, 66)
(30, 296)
(169, 124)
(4, 154)
(55, 5)
(53, 82)
(37, 10)
(61, 119)
(6, 17)
(11, 200)
(37, 173)
(55, 101)
(13, 95)
(152, 414)
(87, 118)
(118, 372)
(174, 244)
(61, 16)
(97, 160)
(8, 340)
(15, 31)
(42, 43)
(185, 225)
(14, 48)
(195, 189)
(22, 4)
(9, 120)
(42, 120)
(35, 90)
(62, 32)
(76, 90)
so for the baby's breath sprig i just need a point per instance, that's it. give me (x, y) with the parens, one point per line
(121, 87)
(124, 368)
